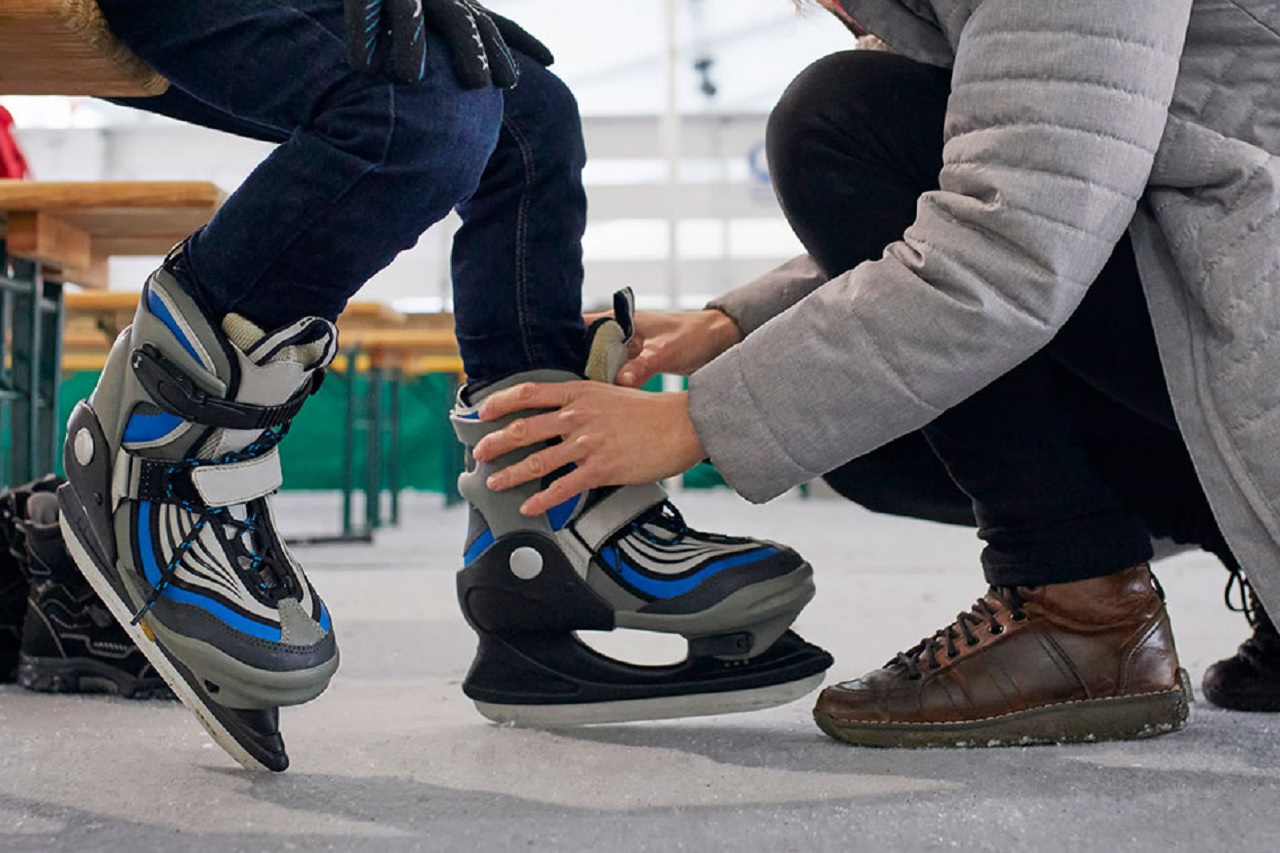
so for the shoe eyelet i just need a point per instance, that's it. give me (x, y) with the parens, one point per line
(971, 643)
(997, 630)
(1019, 617)
(935, 666)
(952, 655)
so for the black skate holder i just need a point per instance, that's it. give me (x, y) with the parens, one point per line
(528, 654)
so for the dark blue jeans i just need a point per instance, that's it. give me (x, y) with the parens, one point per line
(364, 167)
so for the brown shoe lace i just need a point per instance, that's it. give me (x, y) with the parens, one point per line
(962, 629)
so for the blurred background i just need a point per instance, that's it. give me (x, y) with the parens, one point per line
(675, 94)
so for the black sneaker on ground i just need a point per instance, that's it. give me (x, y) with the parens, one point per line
(69, 642)
(1249, 681)
(13, 582)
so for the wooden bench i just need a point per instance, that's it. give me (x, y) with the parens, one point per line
(73, 228)
(63, 47)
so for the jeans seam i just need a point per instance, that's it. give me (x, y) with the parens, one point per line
(522, 225)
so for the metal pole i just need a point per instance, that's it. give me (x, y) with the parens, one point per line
(373, 454)
(397, 382)
(349, 445)
(52, 369)
(671, 146)
(671, 149)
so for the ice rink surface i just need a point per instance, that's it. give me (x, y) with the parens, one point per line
(393, 757)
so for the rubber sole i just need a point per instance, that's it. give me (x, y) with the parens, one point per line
(1085, 721)
(165, 667)
(84, 675)
(1253, 703)
(636, 710)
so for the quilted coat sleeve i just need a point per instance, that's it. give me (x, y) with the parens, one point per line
(759, 301)
(1057, 110)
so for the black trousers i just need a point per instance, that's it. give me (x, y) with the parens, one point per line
(1069, 464)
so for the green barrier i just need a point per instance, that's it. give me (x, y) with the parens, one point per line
(30, 356)
(313, 456)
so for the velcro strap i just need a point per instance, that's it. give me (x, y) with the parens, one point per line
(170, 388)
(209, 485)
(615, 512)
(239, 482)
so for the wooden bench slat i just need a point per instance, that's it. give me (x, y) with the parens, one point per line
(63, 47)
(89, 195)
(75, 226)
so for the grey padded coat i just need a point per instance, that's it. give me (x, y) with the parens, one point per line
(1070, 121)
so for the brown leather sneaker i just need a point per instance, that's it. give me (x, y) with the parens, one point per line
(1086, 661)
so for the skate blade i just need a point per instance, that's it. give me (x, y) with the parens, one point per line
(163, 666)
(658, 708)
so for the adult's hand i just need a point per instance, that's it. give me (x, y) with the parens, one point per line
(389, 37)
(612, 436)
(675, 342)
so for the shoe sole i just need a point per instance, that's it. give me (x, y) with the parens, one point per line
(1256, 703)
(84, 675)
(1085, 721)
(164, 666)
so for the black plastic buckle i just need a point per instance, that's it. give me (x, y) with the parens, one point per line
(170, 388)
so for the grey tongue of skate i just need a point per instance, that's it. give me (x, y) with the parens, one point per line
(608, 338)
(645, 505)
(273, 366)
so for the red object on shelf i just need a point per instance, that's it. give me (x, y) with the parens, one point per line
(12, 163)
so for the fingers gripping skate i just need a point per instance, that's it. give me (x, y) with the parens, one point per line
(621, 557)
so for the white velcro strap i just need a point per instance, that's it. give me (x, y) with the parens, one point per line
(238, 482)
(610, 515)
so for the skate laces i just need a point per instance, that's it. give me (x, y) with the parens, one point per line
(251, 565)
(947, 638)
(665, 518)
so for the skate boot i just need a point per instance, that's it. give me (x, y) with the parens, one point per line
(70, 643)
(169, 465)
(619, 558)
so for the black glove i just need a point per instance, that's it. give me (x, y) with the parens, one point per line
(389, 37)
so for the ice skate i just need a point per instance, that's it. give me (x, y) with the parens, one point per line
(619, 558)
(169, 466)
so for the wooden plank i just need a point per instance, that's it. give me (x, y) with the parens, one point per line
(96, 303)
(418, 341)
(117, 217)
(107, 195)
(97, 275)
(43, 237)
(63, 47)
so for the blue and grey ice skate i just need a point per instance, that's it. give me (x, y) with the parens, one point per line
(619, 558)
(169, 465)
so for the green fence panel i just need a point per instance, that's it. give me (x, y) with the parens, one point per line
(312, 456)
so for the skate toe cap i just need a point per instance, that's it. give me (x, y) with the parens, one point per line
(298, 628)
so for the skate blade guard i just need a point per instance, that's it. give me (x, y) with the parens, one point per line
(526, 601)
(557, 681)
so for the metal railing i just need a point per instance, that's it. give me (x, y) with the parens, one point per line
(30, 370)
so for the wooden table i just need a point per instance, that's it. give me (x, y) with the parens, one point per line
(63, 47)
(73, 228)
